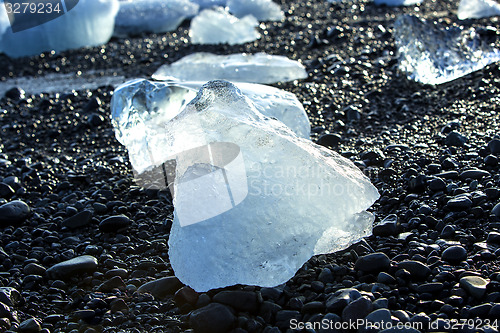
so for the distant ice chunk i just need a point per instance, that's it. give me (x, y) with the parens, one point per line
(240, 67)
(475, 9)
(432, 54)
(141, 108)
(217, 26)
(210, 3)
(262, 10)
(395, 3)
(136, 16)
(282, 199)
(89, 23)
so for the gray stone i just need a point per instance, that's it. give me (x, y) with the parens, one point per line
(14, 212)
(385, 278)
(115, 282)
(73, 267)
(493, 238)
(29, 326)
(9, 296)
(455, 139)
(34, 269)
(460, 202)
(494, 146)
(161, 288)
(474, 174)
(432, 287)
(341, 298)
(475, 285)
(387, 227)
(357, 309)
(374, 262)
(496, 210)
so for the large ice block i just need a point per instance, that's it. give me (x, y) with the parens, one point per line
(240, 67)
(89, 23)
(136, 16)
(476, 9)
(301, 199)
(217, 26)
(262, 10)
(432, 54)
(141, 108)
(394, 3)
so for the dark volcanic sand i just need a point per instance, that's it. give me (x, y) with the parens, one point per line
(62, 149)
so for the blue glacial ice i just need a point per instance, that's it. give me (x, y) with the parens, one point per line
(141, 108)
(431, 54)
(89, 23)
(269, 200)
(217, 26)
(240, 67)
(204, 4)
(157, 16)
(262, 10)
(475, 9)
(395, 3)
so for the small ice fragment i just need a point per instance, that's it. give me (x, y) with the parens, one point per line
(136, 16)
(262, 10)
(209, 3)
(217, 26)
(141, 108)
(395, 3)
(432, 54)
(476, 9)
(89, 23)
(240, 67)
(300, 200)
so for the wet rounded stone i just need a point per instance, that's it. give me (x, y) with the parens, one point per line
(6, 191)
(437, 184)
(73, 267)
(415, 268)
(78, 220)
(341, 298)
(454, 254)
(374, 262)
(161, 288)
(29, 326)
(14, 212)
(474, 174)
(494, 146)
(493, 238)
(455, 139)
(496, 210)
(329, 140)
(357, 309)
(387, 227)
(238, 299)
(460, 202)
(34, 269)
(213, 318)
(114, 223)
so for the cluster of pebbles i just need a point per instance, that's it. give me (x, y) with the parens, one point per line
(84, 249)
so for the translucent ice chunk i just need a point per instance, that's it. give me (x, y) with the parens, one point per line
(89, 23)
(4, 20)
(241, 67)
(156, 16)
(433, 55)
(262, 10)
(475, 9)
(300, 199)
(217, 26)
(395, 3)
(209, 3)
(141, 108)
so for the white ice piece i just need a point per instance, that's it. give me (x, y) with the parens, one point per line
(217, 26)
(262, 10)
(395, 3)
(89, 23)
(240, 67)
(476, 9)
(157, 16)
(433, 54)
(302, 199)
(4, 20)
(141, 108)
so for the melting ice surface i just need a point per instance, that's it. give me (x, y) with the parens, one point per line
(475, 9)
(262, 10)
(209, 3)
(395, 3)
(241, 67)
(272, 199)
(141, 108)
(155, 16)
(432, 54)
(89, 23)
(217, 26)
